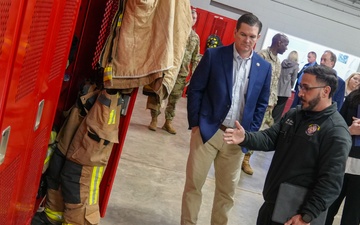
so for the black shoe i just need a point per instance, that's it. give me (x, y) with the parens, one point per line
(40, 218)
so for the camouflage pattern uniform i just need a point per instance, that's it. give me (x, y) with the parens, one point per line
(191, 56)
(275, 75)
(276, 69)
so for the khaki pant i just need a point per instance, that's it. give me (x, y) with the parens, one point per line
(227, 163)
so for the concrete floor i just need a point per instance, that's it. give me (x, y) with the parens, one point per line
(151, 174)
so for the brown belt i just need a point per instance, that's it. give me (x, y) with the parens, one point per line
(223, 128)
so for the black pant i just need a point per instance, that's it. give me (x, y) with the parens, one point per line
(265, 214)
(351, 211)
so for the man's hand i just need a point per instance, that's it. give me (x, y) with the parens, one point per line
(355, 126)
(234, 136)
(193, 129)
(296, 220)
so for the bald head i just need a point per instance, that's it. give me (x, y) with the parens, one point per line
(279, 43)
(279, 37)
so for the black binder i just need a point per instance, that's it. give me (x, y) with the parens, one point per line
(288, 202)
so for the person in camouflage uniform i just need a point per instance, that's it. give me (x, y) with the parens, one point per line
(191, 56)
(278, 46)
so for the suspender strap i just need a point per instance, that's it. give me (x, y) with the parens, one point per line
(105, 101)
(97, 138)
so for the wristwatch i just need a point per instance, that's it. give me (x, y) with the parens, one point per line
(306, 218)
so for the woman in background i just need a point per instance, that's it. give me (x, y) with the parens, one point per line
(350, 110)
(352, 83)
(288, 75)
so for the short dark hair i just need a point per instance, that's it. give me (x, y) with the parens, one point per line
(313, 53)
(324, 75)
(250, 19)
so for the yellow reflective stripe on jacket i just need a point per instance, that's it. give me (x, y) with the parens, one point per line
(107, 73)
(120, 20)
(95, 184)
(56, 216)
(121, 9)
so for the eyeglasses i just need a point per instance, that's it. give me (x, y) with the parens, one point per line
(306, 88)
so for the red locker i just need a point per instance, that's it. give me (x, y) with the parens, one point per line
(35, 42)
(9, 37)
(209, 23)
(35, 39)
(212, 23)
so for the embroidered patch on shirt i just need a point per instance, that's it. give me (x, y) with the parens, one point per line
(312, 129)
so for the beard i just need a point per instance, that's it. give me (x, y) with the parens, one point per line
(312, 103)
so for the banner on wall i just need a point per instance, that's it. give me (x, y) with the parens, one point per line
(346, 64)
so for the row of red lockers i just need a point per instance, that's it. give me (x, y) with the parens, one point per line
(209, 23)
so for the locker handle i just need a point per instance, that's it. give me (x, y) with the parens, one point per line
(3, 143)
(39, 114)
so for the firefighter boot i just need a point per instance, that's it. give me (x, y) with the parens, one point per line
(40, 218)
(168, 127)
(246, 165)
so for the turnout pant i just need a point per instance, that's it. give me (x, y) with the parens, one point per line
(78, 164)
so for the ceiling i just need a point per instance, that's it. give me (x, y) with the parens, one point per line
(350, 3)
(347, 6)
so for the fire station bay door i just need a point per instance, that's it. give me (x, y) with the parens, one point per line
(35, 38)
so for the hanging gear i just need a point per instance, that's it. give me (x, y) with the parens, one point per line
(213, 41)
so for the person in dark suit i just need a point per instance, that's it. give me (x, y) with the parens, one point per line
(328, 59)
(311, 58)
(230, 83)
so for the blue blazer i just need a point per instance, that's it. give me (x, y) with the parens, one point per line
(210, 91)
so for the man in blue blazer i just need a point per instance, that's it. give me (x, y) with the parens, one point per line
(231, 82)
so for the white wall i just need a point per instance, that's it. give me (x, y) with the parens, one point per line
(318, 23)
